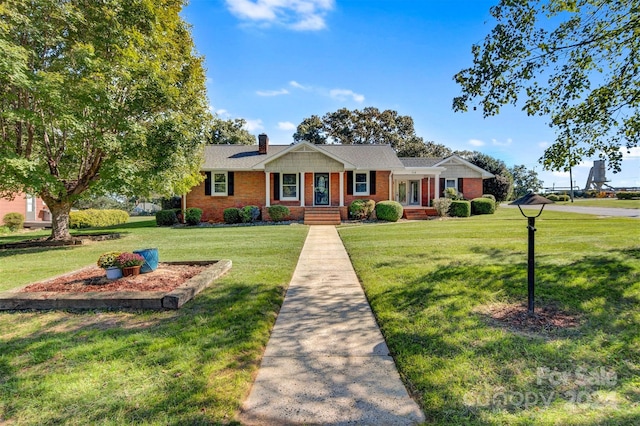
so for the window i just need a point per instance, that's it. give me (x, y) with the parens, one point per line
(289, 186)
(451, 183)
(361, 183)
(219, 184)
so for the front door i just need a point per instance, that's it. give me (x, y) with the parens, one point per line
(321, 189)
(31, 208)
(408, 192)
(414, 192)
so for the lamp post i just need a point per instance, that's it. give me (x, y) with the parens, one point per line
(531, 199)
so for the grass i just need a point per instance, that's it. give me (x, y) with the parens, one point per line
(191, 366)
(603, 202)
(428, 283)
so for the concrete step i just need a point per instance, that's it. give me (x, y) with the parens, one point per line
(322, 216)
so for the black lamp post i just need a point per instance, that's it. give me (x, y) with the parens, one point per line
(531, 199)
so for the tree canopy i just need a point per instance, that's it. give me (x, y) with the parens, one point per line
(366, 126)
(574, 61)
(230, 132)
(500, 186)
(105, 97)
(524, 180)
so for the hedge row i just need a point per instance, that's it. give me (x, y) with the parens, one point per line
(93, 218)
(558, 197)
(246, 214)
(628, 195)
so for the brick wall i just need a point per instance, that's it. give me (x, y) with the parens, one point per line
(472, 188)
(19, 205)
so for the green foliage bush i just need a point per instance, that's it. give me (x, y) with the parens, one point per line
(192, 216)
(552, 197)
(361, 209)
(231, 215)
(277, 213)
(93, 218)
(13, 221)
(249, 214)
(627, 195)
(483, 206)
(4, 230)
(460, 208)
(442, 206)
(496, 204)
(167, 217)
(453, 194)
(389, 210)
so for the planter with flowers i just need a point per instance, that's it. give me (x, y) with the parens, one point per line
(109, 262)
(130, 263)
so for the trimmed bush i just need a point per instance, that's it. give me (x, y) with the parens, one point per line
(552, 197)
(483, 206)
(231, 215)
(13, 221)
(453, 194)
(489, 196)
(192, 216)
(627, 195)
(442, 206)
(249, 214)
(361, 209)
(277, 213)
(389, 210)
(94, 218)
(166, 217)
(460, 208)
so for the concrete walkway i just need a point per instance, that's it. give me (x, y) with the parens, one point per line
(327, 362)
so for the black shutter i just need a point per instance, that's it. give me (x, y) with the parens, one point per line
(349, 183)
(230, 183)
(442, 183)
(372, 182)
(207, 183)
(460, 189)
(276, 186)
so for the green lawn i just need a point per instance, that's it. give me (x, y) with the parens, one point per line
(191, 366)
(430, 282)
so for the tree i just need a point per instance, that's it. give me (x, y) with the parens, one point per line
(575, 61)
(98, 97)
(500, 186)
(230, 132)
(524, 180)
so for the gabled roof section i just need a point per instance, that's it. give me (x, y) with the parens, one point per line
(454, 159)
(420, 161)
(237, 157)
(365, 157)
(303, 147)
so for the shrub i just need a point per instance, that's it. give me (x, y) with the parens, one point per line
(460, 208)
(277, 213)
(552, 197)
(453, 194)
(231, 215)
(361, 209)
(627, 195)
(483, 206)
(93, 218)
(389, 210)
(193, 215)
(442, 206)
(13, 221)
(249, 214)
(166, 217)
(564, 197)
(4, 230)
(108, 259)
(496, 204)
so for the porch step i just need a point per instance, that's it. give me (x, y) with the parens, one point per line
(321, 216)
(419, 214)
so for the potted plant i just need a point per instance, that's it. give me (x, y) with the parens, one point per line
(109, 262)
(130, 263)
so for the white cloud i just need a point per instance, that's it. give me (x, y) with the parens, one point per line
(543, 144)
(632, 153)
(476, 142)
(344, 94)
(253, 125)
(286, 125)
(297, 85)
(560, 174)
(272, 92)
(497, 143)
(298, 15)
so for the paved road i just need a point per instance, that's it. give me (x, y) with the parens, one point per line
(598, 211)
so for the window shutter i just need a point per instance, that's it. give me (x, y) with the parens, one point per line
(349, 183)
(372, 182)
(460, 189)
(276, 186)
(230, 183)
(207, 183)
(442, 183)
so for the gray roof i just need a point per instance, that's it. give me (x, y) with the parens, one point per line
(419, 161)
(246, 157)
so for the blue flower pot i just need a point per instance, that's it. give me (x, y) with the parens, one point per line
(150, 259)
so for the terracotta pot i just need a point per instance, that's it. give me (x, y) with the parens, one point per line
(130, 271)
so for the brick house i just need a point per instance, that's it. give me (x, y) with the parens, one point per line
(33, 209)
(322, 180)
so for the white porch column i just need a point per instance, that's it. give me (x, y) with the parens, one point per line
(436, 196)
(302, 189)
(267, 189)
(341, 189)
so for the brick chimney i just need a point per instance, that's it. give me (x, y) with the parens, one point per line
(263, 143)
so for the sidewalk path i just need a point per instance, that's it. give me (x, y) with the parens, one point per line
(326, 361)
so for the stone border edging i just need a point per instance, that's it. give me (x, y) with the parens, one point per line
(153, 300)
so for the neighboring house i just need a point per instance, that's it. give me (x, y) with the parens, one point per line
(32, 208)
(146, 208)
(310, 179)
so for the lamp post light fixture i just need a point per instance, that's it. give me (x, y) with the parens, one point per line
(531, 199)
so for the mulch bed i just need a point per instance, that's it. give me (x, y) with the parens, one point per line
(516, 318)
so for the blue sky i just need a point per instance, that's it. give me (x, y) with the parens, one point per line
(276, 62)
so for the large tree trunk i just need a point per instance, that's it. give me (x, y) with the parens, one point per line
(59, 218)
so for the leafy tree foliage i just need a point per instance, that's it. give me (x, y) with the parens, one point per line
(500, 186)
(576, 61)
(98, 97)
(523, 180)
(367, 126)
(230, 132)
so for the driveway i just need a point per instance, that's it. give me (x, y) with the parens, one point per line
(598, 211)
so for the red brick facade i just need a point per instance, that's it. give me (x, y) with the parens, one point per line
(472, 188)
(19, 205)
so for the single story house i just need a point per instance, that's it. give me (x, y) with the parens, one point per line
(33, 209)
(322, 180)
